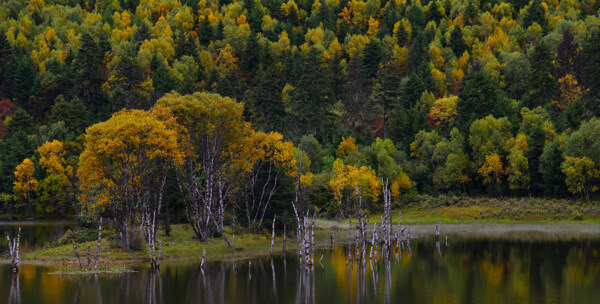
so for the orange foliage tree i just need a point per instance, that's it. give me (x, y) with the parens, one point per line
(123, 169)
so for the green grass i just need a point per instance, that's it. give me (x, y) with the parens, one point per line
(478, 210)
(180, 245)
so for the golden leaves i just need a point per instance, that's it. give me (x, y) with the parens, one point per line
(122, 149)
(347, 178)
(25, 181)
(347, 146)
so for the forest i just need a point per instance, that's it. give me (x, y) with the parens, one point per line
(213, 111)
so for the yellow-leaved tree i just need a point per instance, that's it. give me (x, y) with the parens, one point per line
(492, 171)
(347, 146)
(266, 159)
(347, 180)
(211, 133)
(56, 189)
(123, 170)
(25, 182)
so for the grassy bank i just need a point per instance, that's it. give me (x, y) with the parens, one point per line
(180, 245)
(453, 209)
(481, 210)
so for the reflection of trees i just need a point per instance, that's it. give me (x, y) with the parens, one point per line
(305, 290)
(153, 288)
(468, 271)
(14, 297)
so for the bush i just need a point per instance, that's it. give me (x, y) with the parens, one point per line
(80, 236)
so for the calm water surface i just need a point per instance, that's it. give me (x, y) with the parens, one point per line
(34, 234)
(468, 270)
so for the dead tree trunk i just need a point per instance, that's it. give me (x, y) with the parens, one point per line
(98, 245)
(14, 251)
(273, 235)
(89, 259)
(77, 254)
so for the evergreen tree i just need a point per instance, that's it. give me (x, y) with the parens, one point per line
(568, 58)
(457, 42)
(5, 55)
(72, 113)
(471, 13)
(162, 80)
(251, 55)
(15, 147)
(591, 69)
(535, 14)
(541, 77)
(535, 144)
(417, 55)
(478, 96)
(23, 81)
(89, 77)
(358, 108)
(550, 169)
(415, 15)
(185, 45)
(372, 54)
(311, 99)
(142, 33)
(205, 32)
(386, 92)
(265, 103)
(402, 35)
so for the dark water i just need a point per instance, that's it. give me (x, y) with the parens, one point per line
(468, 270)
(34, 234)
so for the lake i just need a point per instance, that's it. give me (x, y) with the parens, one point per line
(502, 265)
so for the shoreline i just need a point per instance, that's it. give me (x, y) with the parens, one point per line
(173, 250)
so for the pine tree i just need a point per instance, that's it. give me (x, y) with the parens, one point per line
(72, 113)
(372, 54)
(591, 69)
(478, 96)
(358, 107)
(386, 92)
(541, 80)
(205, 32)
(535, 14)
(402, 35)
(471, 13)
(15, 147)
(162, 80)
(89, 77)
(457, 42)
(5, 54)
(417, 55)
(185, 45)
(311, 99)
(568, 58)
(265, 103)
(251, 55)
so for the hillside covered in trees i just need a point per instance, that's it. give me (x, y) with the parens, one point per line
(309, 98)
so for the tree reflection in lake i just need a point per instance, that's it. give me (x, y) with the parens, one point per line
(467, 271)
(14, 297)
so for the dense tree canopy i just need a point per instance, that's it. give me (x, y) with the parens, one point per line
(497, 98)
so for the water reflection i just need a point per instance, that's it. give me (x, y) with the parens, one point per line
(465, 271)
(34, 234)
